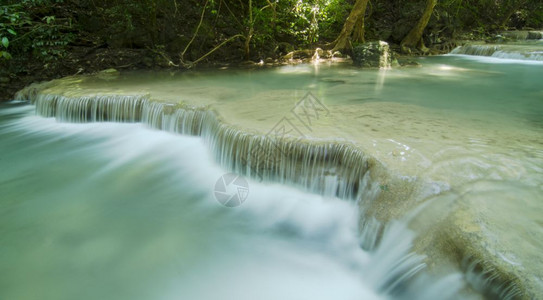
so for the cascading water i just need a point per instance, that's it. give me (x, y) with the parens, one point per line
(523, 45)
(325, 168)
(90, 109)
(137, 221)
(465, 138)
(522, 35)
(529, 52)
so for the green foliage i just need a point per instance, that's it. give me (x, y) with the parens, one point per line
(121, 18)
(30, 27)
(530, 16)
(12, 18)
(332, 18)
(307, 21)
(484, 16)
(43, 30)
(264, 25)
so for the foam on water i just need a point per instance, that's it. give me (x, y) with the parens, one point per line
(326, 168)
(452, 125)
(120, 211)
(503, 53)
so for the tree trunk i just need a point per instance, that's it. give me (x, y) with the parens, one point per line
(414, 37)
(359, 30)
(154, 27)
(250, 32)
(343, 42)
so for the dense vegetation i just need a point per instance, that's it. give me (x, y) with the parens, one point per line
(48, 38)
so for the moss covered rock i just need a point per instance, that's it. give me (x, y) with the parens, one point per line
(372, 55)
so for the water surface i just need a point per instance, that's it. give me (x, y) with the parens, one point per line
(463, 129)
(119, 211)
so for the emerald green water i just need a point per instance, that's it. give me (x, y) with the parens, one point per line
(480, 116)
(107, 211)
(120, 211)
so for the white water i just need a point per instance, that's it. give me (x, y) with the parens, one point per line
(327, 169)
(119, 211)
(472, 125)
(511, 52)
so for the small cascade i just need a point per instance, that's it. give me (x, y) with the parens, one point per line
(518, 52)
(396, 271)
(523, 35)
(325, 168)
(322, 167)
(329, 169)
(371, 232)
(536, 56)
(477, 50)
(102, 108)
(318, 258)
(488, 282)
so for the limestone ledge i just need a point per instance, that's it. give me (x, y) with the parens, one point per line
(450, 231)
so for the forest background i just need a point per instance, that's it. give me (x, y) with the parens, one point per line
(46, 39)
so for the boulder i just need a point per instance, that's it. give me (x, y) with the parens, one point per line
(535, 35)
(372, 55)
(108, 74)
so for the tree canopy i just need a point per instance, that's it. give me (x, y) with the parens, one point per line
(181, 32)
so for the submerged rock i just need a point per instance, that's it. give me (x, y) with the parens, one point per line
(409, 63)
(372, 55)
(496, 39)
(109, 74)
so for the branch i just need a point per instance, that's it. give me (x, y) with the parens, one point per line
(212, 50)
(170, 62)
(234, 16)
(197, 29)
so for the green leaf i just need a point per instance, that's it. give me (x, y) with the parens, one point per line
(49, 19)
(5, 42)
(5, 54)
(12, 31)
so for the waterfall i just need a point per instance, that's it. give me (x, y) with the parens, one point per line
(118, 108)
(326, 168)
(478, 50)
(323, 167)
(523, 35)
(501, 51)
(486, 281)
